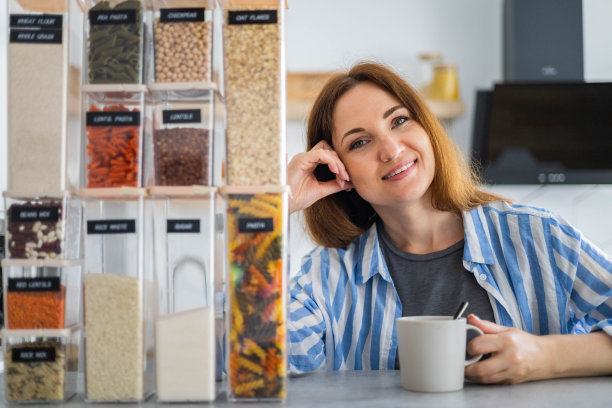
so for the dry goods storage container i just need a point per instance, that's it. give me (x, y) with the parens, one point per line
(42, 145)
(41, 365)
(114, 45)
(43, 227)
(180, 149)
(41, 294)
(116, 297)
(183, 222)
(113, 127)
(257, 255)
(182, 37)
(254, 76)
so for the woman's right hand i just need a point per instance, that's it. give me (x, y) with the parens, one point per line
(305, 188)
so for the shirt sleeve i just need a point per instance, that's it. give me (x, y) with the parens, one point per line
(306, 325)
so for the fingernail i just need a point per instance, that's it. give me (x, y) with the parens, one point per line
(473, 316)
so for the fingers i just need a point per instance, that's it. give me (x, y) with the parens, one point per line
(485, 325)
(326, 155)
(490, 371)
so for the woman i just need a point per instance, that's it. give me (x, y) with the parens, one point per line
(405, 230)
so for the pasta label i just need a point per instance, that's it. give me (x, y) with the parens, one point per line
(246, 225)
(29, 355)
(104, 17)
(182, 116)
(111, 227)
(36, 21)
(253, 17)
(182, 15)
(113, 118)
(34, 284)
(183, 226)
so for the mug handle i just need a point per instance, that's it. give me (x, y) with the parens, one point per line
(479, 356)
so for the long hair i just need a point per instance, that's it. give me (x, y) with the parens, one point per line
(338, 219)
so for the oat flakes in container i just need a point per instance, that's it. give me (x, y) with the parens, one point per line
(254, 75)
(183, 223)
(182, 38)
(116, 320)
(257, 256)
(38, 55)
(114, 45)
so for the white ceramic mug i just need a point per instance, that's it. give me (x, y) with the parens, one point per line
(432, 352)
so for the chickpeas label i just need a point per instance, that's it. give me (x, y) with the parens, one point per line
(182, 15)
(36, 36)
(113, 118)
(34, 284)
(253, 17)
(103, 17)
(182, 116)
(36, 21)
(29, 355)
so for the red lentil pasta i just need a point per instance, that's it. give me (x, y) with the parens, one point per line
(113, 151)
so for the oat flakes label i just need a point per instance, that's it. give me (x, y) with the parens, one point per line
(111, 227)
(33, 214)
(183, 226)
(253, 17)
(105, 17)
(51, 284)
(113, 118)
(255, 225)
(182, 116)
(33, 355)
(182, 15)
(36, 36)
(49, 21)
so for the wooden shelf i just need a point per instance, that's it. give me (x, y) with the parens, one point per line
(446, 110)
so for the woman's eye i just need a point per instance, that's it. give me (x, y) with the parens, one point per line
(399, 120)
(357, 143)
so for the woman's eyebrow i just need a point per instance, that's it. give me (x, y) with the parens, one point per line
(390, 111)
(350, 132)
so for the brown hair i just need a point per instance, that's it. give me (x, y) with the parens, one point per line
(338, 219)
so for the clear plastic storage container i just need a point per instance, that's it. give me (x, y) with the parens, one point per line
(113, 125)
(42, 145)
(257, 255)
(43, 227)
(41, 294)
(181, 142)
(116, 293)
(41, 365)
(254, 76)
(182, 37)
(183, 222)
(114, 46)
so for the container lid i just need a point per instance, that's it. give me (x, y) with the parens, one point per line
(39, 263)
(113, 192)
(182, 191)
(37, 195)
(127, 88)
(182, 86)
(263, 189)
(65, 332)
(252, 3)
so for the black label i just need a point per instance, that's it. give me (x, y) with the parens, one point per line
(33, 355)
(255, 225)
(111, 227)
(182, 116)
(183, 226)
(36, 36)
(36, 21)
(34, 284)
(181, 15)
(253, 17)
(103, 17)
(33, 214)
(113, 118)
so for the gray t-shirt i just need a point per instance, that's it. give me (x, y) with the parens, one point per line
(435, 283)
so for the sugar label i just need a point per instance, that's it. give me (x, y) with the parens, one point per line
(183, 226)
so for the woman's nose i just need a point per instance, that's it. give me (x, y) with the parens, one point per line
(390, 148)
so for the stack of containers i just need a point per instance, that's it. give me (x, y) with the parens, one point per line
(116, 284)
(43, 265)
(181, 205)
(256, 198)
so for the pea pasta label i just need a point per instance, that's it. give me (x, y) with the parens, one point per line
(33, 214)
(252, 17)
(246, 225)
(33, 355)
(113, 118)
(51, 284)
(111, 227)
(48, 21)
(106, 17)
(183, 226)
(182, 15)
(36, 36)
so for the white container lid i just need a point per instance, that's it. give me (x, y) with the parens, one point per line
(66, 332)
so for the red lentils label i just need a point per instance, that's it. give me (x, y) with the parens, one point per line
(182, 15)
(51, 284)
(253, 17)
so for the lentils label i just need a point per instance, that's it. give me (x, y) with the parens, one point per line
(255, 225)
(182, 15)
(34, 284)
(33, 355)
(105, 17)
(36, 36)
(33, 214)
(182, 116)
(253, 17)
(183, 226)
(36, 21)
(111, 227)
(113, 119)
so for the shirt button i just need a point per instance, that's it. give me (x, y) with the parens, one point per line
(482, 276)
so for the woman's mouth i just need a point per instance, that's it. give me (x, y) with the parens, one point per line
(398, 170)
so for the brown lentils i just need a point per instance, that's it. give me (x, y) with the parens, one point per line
(181, 157)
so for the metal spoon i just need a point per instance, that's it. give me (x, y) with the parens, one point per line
(461, 309)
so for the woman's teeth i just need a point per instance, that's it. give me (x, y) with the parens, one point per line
(398, 171)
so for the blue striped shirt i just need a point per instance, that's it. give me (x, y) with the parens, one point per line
(541, 275)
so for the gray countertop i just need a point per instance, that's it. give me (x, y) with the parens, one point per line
(382, 389)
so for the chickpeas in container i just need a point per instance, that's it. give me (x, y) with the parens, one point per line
(254, 76)
(182, 36)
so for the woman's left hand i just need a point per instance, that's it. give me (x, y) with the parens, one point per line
(516, 356)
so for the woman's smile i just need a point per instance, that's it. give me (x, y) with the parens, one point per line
(400, 171)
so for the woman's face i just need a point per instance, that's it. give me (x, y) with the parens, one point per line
(388, 156)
